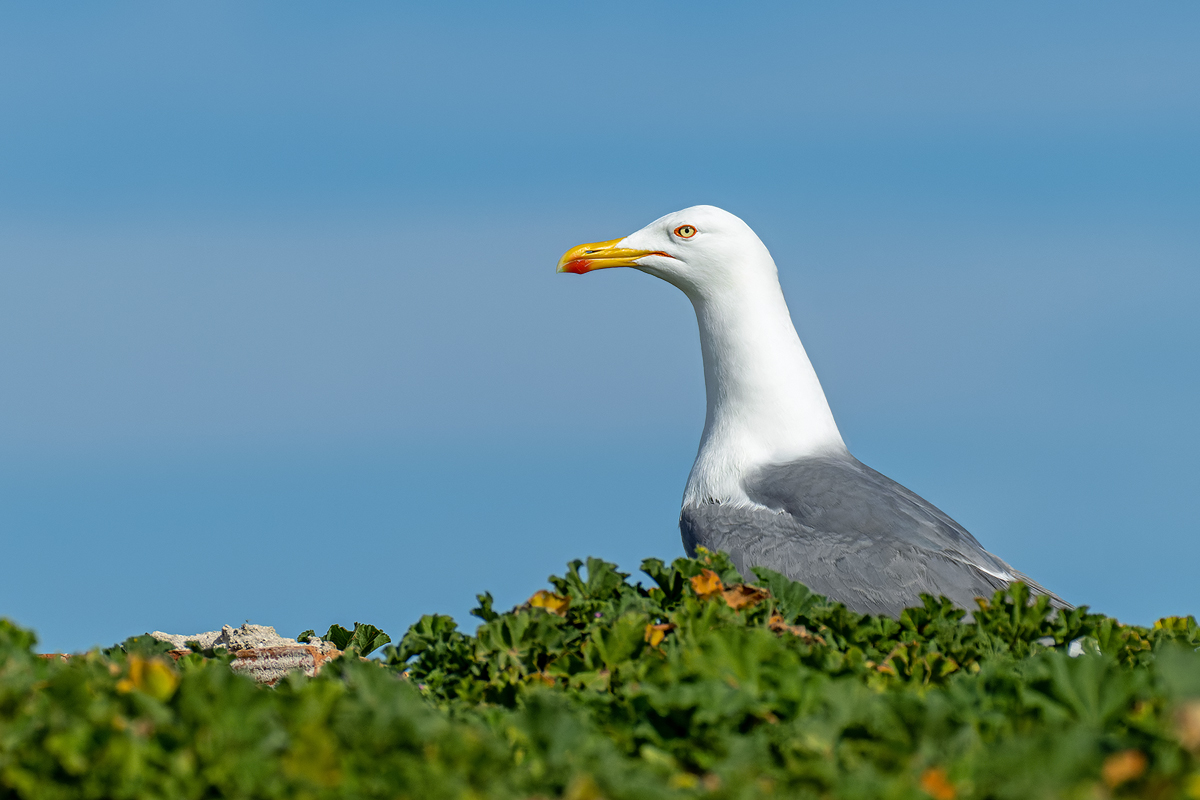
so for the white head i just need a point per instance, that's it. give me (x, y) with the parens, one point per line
(765, 404)
(703, 250)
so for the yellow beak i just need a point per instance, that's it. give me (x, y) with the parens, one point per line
(601, 255)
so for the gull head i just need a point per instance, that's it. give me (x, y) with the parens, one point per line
(703, 250)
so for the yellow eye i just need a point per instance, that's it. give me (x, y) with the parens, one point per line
(685, 231)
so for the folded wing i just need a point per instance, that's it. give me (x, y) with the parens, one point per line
(850, 533)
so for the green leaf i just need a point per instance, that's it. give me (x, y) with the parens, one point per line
(338, 636)
(367, 638)
(14, 637)
(144, 645)
(793, 599)
(484, 610)
(362, 640)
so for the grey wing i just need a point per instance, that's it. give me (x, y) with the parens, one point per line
(852, 534)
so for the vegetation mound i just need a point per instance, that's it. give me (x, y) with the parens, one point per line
(698, 685)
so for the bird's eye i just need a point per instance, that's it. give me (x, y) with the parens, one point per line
(685, 231)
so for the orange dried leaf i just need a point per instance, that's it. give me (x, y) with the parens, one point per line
(935, 784)
(656, 633)
(1123, 767)
(741, 596)
(555, 604)
(707, 584)
(778, 624)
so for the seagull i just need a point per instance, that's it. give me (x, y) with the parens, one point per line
(773, 484)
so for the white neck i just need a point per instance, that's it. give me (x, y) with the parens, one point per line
(765, 404)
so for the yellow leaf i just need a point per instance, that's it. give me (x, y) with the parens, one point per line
(555, 604)
(656, 633)
(707, 584)
(583, 787)
(1179, 624)
(683, 780)
(150, 675)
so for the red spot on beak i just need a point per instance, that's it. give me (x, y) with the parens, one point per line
(578, 267)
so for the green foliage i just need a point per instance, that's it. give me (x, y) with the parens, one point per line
(691, 686)
(144, 645)
(362, 640)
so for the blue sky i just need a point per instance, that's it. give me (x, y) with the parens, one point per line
(281, 340)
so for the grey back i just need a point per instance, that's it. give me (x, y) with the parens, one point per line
(851, 533)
